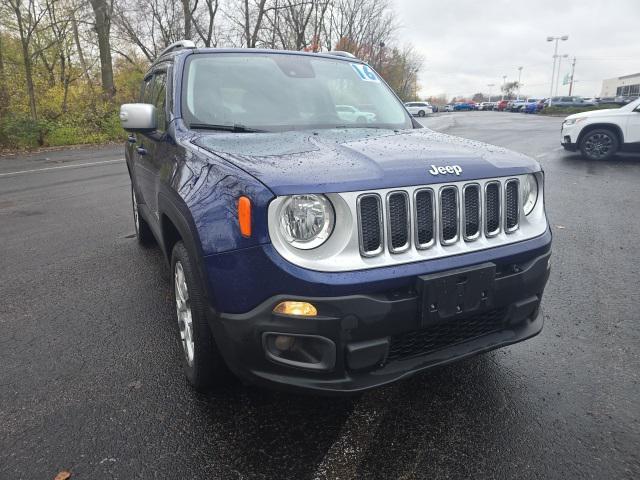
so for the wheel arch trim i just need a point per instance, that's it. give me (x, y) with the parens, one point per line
(604, 126)
(172, 208)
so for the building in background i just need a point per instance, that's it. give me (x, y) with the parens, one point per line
(628, 86)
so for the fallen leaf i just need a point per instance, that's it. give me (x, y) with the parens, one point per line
(63, 475)
(560, 226)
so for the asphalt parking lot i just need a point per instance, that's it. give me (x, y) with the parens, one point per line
(90, 377)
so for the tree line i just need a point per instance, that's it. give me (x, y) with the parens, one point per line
(65, 65)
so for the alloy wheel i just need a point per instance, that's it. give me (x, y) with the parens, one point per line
(598, 145)
(183, 310)
(136, 217)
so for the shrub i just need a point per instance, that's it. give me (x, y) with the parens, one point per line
(559, 111)
(21, 132)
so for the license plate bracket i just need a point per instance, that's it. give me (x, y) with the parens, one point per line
(455, 292)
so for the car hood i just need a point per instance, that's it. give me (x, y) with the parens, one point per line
(595, 113)
(341, 160)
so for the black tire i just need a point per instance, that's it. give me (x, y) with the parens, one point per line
(421, 113)
(599, 144)
(206, 368)
(144, 235)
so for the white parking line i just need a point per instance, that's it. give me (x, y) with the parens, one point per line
(76, 165)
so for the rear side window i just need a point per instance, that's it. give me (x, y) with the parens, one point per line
(158, 97)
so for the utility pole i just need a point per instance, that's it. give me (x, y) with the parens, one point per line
(560, 57)
(519, 76)
(564, 38)
(573, 71)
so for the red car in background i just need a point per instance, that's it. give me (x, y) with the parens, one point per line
(501, 106)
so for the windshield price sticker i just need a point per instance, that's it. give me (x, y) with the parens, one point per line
(365, 73)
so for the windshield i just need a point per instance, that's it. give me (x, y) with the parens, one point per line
(632, 105)
(278, 92)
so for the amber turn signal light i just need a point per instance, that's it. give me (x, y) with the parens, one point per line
(302, 309)
(244, 216)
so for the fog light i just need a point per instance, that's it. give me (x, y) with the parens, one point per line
(302, 309)
(312, 352)
(284, 342)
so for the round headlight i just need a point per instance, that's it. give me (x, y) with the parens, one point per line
(529, 193)
(306, 221)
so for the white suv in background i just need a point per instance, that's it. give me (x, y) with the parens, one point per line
(419, 108)
(599, 134)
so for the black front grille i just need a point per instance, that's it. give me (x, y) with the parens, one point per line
(445, 334)
(492, 210)
(449, 213)
(424, 216)
(370, 212)
(471, 211)
(398, 220)
(511, 205)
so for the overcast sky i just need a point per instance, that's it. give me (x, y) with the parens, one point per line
(467, 44)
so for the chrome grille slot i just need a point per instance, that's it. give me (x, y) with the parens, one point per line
(512, 205)
(492, 208)
(425, 218)
(471, 212)
(448, 215)
(370, 225)
(398, 220)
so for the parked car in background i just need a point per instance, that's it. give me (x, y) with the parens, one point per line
(484, 106)
(448, 107)
(501, 106)
(351, 114)
(599, 134)
(461, 106)
(419, 108)
(532, 105)
(516, 105)
(568, 102)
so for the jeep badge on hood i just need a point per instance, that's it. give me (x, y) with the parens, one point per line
(457, 169)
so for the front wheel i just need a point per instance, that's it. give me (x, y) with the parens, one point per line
(599, 144)
(143, 231)
(202, 362)
(421, 113)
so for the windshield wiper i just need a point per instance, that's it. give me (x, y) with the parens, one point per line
(236, 127)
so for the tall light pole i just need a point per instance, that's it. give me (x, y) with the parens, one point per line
(504, 80)
(564, 38)
(519, 76)
(560, 57)
(490, 85)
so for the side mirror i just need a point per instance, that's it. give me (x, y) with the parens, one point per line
(138, 117)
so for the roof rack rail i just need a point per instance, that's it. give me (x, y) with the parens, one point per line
(340, 53)
(177, 46)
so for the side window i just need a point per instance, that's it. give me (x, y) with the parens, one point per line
(159, 98)
(145, 91)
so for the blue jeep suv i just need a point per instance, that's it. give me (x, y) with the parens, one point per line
(312, 251)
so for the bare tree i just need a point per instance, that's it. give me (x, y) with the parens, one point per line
(28, 16)
(205, 29)
(103, 10)
(4, 95)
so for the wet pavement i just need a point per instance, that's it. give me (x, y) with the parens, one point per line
(90, 377)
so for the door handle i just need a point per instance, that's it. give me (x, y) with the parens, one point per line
(141, 151)
(131, 138)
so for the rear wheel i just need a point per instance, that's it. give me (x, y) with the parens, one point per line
(202, 362)
(600, 144)
(143, 231)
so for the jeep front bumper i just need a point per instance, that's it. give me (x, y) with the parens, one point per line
(368, 340)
